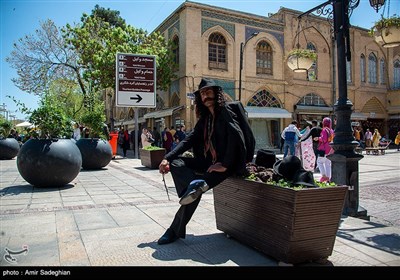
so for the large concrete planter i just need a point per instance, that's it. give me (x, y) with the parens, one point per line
(49, 162)
(151, 158)
(96, 153)
(9, 148)
(290, 225)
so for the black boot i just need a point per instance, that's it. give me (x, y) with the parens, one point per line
(168, 237)
(194, 190)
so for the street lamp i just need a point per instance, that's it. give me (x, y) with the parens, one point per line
(13, 117)
(242, 46)
(376, 4)
(3, 109)
(344, 160)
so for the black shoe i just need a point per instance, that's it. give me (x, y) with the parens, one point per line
(195, 189)
(168, 237)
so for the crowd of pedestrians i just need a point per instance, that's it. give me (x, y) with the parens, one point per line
(312, 143)
(168, 138)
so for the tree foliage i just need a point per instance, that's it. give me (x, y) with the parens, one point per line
(110, 16)
(97, 42)
(85, 53)
(43, 57)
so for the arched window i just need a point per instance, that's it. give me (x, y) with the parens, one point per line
(264, 99)
(175, 49)
(382, 71)
(312, 99)
(312, 72)
(131, 113)
(217, 51)
(348, 71)
(264, 58)
(362, 68)
(372, 69)
(396, 74)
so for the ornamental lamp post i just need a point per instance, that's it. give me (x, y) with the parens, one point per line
(242, 46)
(345, 169)
(376, 4)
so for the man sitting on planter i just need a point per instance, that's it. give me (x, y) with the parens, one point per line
(222, 143)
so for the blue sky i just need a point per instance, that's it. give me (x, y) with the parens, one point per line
(21, 17)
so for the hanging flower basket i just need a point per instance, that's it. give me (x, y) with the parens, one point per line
(387, 32)
(300, 60)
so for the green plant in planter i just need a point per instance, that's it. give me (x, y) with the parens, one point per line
(94, 117)
(303, 53)
(152, 148)
(5, 128)
(285, 184)
(51, 120)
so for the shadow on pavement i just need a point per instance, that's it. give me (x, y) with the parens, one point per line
(21, 189)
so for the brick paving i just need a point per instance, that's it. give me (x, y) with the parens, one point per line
(113, 217)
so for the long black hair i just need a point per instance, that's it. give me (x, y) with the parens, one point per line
(202, 110)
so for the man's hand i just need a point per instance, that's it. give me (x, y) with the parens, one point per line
(217, 168)
(164, 166)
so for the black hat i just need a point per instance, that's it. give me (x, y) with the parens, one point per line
(206, 83)
(303, 177)
(287, 167)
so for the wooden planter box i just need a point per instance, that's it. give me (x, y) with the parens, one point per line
(153, 158)
(292, 226)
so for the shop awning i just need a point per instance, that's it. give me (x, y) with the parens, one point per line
(162, 113)
(128, 122)
(303, 109)
(359, 116)
(254, 112)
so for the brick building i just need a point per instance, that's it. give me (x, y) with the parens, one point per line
(209, 39)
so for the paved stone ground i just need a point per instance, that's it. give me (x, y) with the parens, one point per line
(114, 216)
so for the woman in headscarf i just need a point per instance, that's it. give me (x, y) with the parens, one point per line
(324, 149)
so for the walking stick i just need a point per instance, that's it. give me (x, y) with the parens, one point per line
(165, 185)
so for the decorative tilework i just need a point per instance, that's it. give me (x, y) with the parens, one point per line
(254, 23)
(171, 29)
(168, 23)
(174, 86)
(250, 30)
(207, 24)
(227, 86)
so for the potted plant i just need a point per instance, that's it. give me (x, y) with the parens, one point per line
(49, 158)
(151, 156)
(9, 147)
(300, 60)
(96, 150)
(387, 31)
(293, 224)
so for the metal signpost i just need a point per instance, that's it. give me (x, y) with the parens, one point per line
(135, 84)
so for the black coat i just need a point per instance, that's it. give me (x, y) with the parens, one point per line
(227, 138)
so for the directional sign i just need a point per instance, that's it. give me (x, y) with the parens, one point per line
(135, 80)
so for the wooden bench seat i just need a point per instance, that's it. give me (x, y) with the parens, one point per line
(376, 151)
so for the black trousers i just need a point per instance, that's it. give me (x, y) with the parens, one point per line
(183, 171)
